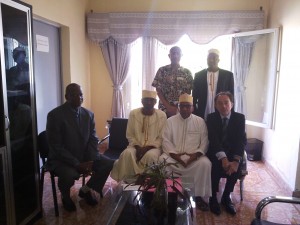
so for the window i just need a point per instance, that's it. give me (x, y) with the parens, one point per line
(194, 58)
(260, 85)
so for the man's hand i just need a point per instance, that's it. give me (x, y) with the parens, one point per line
(178, 159)
(193, 157)
(85, 167)
(171, 110)
(225, 164)
(233, 167)
(141, 151)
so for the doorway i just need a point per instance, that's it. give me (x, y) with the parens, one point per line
(47, 70)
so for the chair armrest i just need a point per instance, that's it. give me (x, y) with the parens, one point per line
(272, 199)
(103, 139)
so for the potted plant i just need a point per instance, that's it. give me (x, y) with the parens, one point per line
(153, 189)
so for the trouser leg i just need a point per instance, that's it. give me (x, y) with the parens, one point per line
(216, 173)
(101, 168)
(66, 178)
(230, 183)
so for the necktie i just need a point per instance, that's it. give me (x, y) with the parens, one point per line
(224, 128)
(77, 118)
(224, 124)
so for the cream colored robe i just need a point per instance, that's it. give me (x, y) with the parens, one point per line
(189, 136)
(143, 131)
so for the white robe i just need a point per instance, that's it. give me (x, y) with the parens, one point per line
(143, 131)
(189, 136)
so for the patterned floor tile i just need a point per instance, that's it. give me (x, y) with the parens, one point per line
(257, 185)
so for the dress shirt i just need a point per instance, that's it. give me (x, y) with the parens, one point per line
(212, 81)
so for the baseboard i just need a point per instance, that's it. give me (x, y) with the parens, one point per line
(296, 193)
(279, 180)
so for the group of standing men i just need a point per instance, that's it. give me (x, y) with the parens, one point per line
(203, 150)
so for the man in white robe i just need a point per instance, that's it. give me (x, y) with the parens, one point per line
(144, 134)
(185, 141)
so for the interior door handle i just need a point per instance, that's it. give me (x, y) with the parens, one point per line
(7, 123)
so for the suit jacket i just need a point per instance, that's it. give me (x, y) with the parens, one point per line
(236, 135)
(225, 83)
(69, 143)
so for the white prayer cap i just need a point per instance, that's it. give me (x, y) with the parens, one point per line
(214, 51)
(148, 94)
(185, 98)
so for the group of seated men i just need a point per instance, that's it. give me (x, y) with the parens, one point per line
(205, 151)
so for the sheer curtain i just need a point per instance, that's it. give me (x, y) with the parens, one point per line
(242, 52)
(117, 59)
(149, 53)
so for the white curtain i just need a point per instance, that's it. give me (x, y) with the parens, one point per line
(149, 52)
(242, 52)
(117, 59)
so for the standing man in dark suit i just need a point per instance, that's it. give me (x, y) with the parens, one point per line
(209, 82)
(227, 140)
(73, 148)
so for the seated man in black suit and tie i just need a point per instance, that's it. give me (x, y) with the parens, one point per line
(73, 148)
(227, 140)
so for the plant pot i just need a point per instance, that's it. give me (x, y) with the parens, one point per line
(160, 216)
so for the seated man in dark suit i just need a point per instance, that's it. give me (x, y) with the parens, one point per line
(73, 148)
(227, 139)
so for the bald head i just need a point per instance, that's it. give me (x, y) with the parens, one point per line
(175, 55)
(74, 95)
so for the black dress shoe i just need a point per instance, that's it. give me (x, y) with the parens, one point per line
(87, 196)
(201, 204)
(214, 206)
(68, 204)
(229, 206)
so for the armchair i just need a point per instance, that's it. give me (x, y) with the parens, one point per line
(268, 200)
(117, 140)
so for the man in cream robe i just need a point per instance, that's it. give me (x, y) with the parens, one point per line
(185, 141)
(144, 134)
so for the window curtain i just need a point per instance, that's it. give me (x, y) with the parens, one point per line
(168, 27)
(117, 59)
(242, 52)
(150, 54)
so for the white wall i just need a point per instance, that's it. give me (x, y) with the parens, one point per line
(281, 148)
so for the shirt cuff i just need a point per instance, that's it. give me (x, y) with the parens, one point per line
(220, 155)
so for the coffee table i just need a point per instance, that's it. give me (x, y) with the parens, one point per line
(124, 198)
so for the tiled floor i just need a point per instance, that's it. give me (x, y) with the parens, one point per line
(258, 184)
